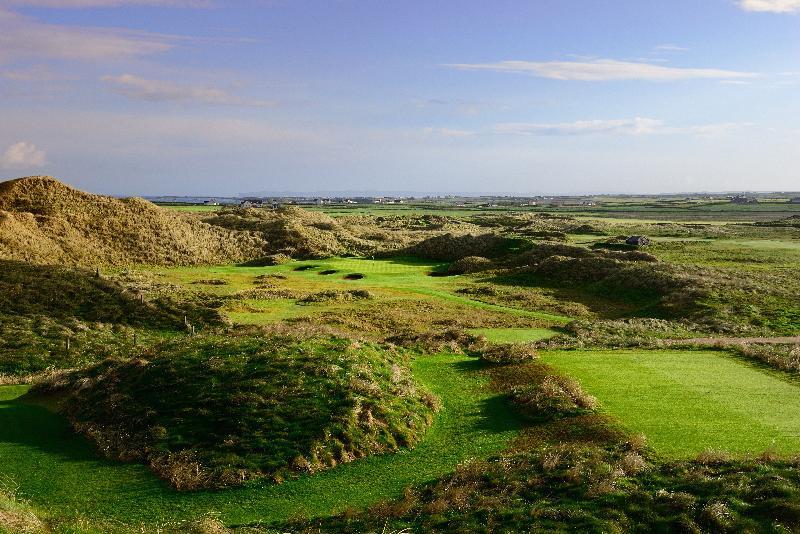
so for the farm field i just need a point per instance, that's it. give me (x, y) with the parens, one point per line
(689, 402)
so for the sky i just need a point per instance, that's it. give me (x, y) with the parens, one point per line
(224, 97)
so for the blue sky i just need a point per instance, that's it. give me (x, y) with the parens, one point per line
(219, 97)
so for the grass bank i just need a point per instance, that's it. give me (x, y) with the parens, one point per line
(61, 475)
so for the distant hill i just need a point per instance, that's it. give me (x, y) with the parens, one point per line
(47, 222)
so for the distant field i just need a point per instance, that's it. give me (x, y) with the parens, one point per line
(630, 212)
(190, 208)
(687, 402)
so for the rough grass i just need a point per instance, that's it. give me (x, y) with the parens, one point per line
(688, 402)
(44, 221)
(217, 411)
(61, 473)
(58, 317)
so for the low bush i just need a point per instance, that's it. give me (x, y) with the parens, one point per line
(508, 353)
(337, 296)
(451, 247)
(555, 396)
(470, 264)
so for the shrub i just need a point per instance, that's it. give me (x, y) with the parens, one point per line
(555, 396)
(450, 247)
(470, 264)
(337, 296)
(509, 353)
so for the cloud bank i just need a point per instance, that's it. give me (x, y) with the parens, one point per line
(22, 37)
(137, 88)
(602, 70)
(771, 6)
(636, 126)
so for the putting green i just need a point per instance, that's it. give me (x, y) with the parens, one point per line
(687, 402)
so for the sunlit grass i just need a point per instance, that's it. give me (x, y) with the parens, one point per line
(687, 402)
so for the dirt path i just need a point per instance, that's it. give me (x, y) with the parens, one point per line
(735, 341)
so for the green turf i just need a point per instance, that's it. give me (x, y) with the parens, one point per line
(513, 335)
(408, 277)
(687, 402)
(61, 475)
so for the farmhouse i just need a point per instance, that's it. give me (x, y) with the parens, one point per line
(251, 203)
(638, 240)
(742, 199)
(795, 200)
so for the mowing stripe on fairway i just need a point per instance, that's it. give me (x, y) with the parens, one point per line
(687, 402)
(60, 473)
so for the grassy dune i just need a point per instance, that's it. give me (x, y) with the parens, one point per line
(61, 475)
(687, 402)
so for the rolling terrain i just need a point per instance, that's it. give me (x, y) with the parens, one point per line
(284, 370)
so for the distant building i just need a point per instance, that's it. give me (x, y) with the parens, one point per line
(211, 202)
(251, 203)
(795, 200)
(638, 241)
(742, 199)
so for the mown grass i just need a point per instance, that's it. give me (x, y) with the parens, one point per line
(688, 402)
(390, 278)
(61, 475)
(513, 335)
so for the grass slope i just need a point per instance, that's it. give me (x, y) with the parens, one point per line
(219, 410)
(60, 474)
(687, 402)
(44, 221)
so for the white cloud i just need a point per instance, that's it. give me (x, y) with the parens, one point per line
(770, 6)
(603, 70)
(22, 37)
(137, 88)
(636, 126)
(447, 132)
(670, 48)
(22, 155)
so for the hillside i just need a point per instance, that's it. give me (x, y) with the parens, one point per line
(217, 411)
(47, 222)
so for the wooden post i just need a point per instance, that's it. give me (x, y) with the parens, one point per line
(134, 338)
(68, 343)
(97, 272)
(192, 329)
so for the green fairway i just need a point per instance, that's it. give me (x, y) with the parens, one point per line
(396, 277)
(513, 335)
(61, 475)
(687, 402)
